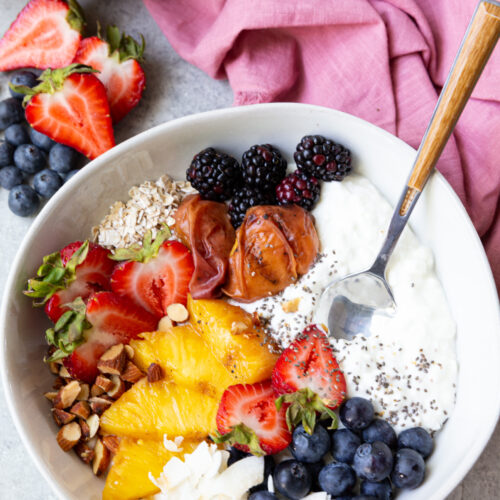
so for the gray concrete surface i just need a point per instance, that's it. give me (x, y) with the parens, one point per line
(174, 88)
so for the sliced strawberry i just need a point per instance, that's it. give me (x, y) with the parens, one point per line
(114, 320)
(158, 281)
(71, 107)
(119, 69)
(309, 363)
(45, 34)
(247, 418)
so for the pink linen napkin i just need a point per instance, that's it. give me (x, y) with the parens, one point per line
(382, 60)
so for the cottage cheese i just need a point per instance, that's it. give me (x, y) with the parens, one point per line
(408, 366)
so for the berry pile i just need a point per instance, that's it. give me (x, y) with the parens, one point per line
(333, 461)
(261, 178)
(32, 166)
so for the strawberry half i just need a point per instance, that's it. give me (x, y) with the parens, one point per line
(45, 34)
(71, 107)
(113, 320)
(78, 270)
(157, 274)
(308, 378)
(117, 60)
(248, 419)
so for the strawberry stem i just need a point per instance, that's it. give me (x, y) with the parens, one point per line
(76, 16)
(124, 45)
(145, 252)
(240, 434)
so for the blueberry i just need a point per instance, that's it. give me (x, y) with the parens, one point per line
(269, 466)
(26, 78)
(292, 479)
(356, 413)
(373, 461)
(337, 479)
(417, 439)
(23, 200)
(381, 490)
(262, 495)
(363, 497)
(234, 453)
(310, 448)
(41, 140)
(62, 158)
(70, 174)
(29, 158)
(6, 154)
(47, 182)
(409, 469)
(344, 445)
(16, 134)
(314, 470)
(10, 176)
(11, 111)
(380, 430)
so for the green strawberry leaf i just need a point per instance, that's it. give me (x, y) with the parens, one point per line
(304, 407)
(240, 434)
(67, 333)
(145, 252)
(53, 276)
(123, 45)
(75, 17)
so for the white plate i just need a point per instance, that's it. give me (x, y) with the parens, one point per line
(439, 220)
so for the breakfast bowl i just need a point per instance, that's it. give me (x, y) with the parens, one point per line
(439, 221)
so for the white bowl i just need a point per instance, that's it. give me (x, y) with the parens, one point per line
(439, 220)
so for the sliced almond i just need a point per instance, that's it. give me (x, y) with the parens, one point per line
(62, 417)
(130, 351)
(113, 361)
(63, 372)
(131, 373)
(93, 423)
(165, 324)
(291, 306)
(54, 368)
(58, 383)
(50, 395)
(155, 372)
(111, 443)
(177, 313)
(84, 392)
(104, 383)
(69, 435)
(67, 395)
(102, 457)
(118, 387)
(85, 452)
(99, 405)
(81, 409)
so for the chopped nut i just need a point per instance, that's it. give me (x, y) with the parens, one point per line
(291, 306)
(69, 435)
(118, 387)
(67, 395)
(177, 313)
(93, 423)
(85, 452)
(84, 392)
(130, 351)
(50, 395)
(132, 373)
(62, 417)
(113, 360)
(95, 390)
(238, 327)
(111, 443)
(256, 319)
(165, 324)
(85, 429)
(63, 372)
(104, 383)
(54, 368)
(102, 458)
(81, 409)
(58, 383)
(99, 405)
(155, 372)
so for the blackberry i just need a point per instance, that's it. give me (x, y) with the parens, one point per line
(322, 158)
(263, 167)
(215, 175)
(245, 198)
(299, 188)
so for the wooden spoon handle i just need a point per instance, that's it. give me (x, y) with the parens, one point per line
(478, 43)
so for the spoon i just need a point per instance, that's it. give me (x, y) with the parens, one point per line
(348, 305)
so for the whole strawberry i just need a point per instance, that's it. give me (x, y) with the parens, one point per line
(70, 106)
(117, 60)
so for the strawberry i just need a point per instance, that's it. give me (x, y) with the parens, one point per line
(45, 34)
(117, 60)
(308, 378)
(154, 275)
(78, 270)
(71, 107)
(248, 419)
(107, 320)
